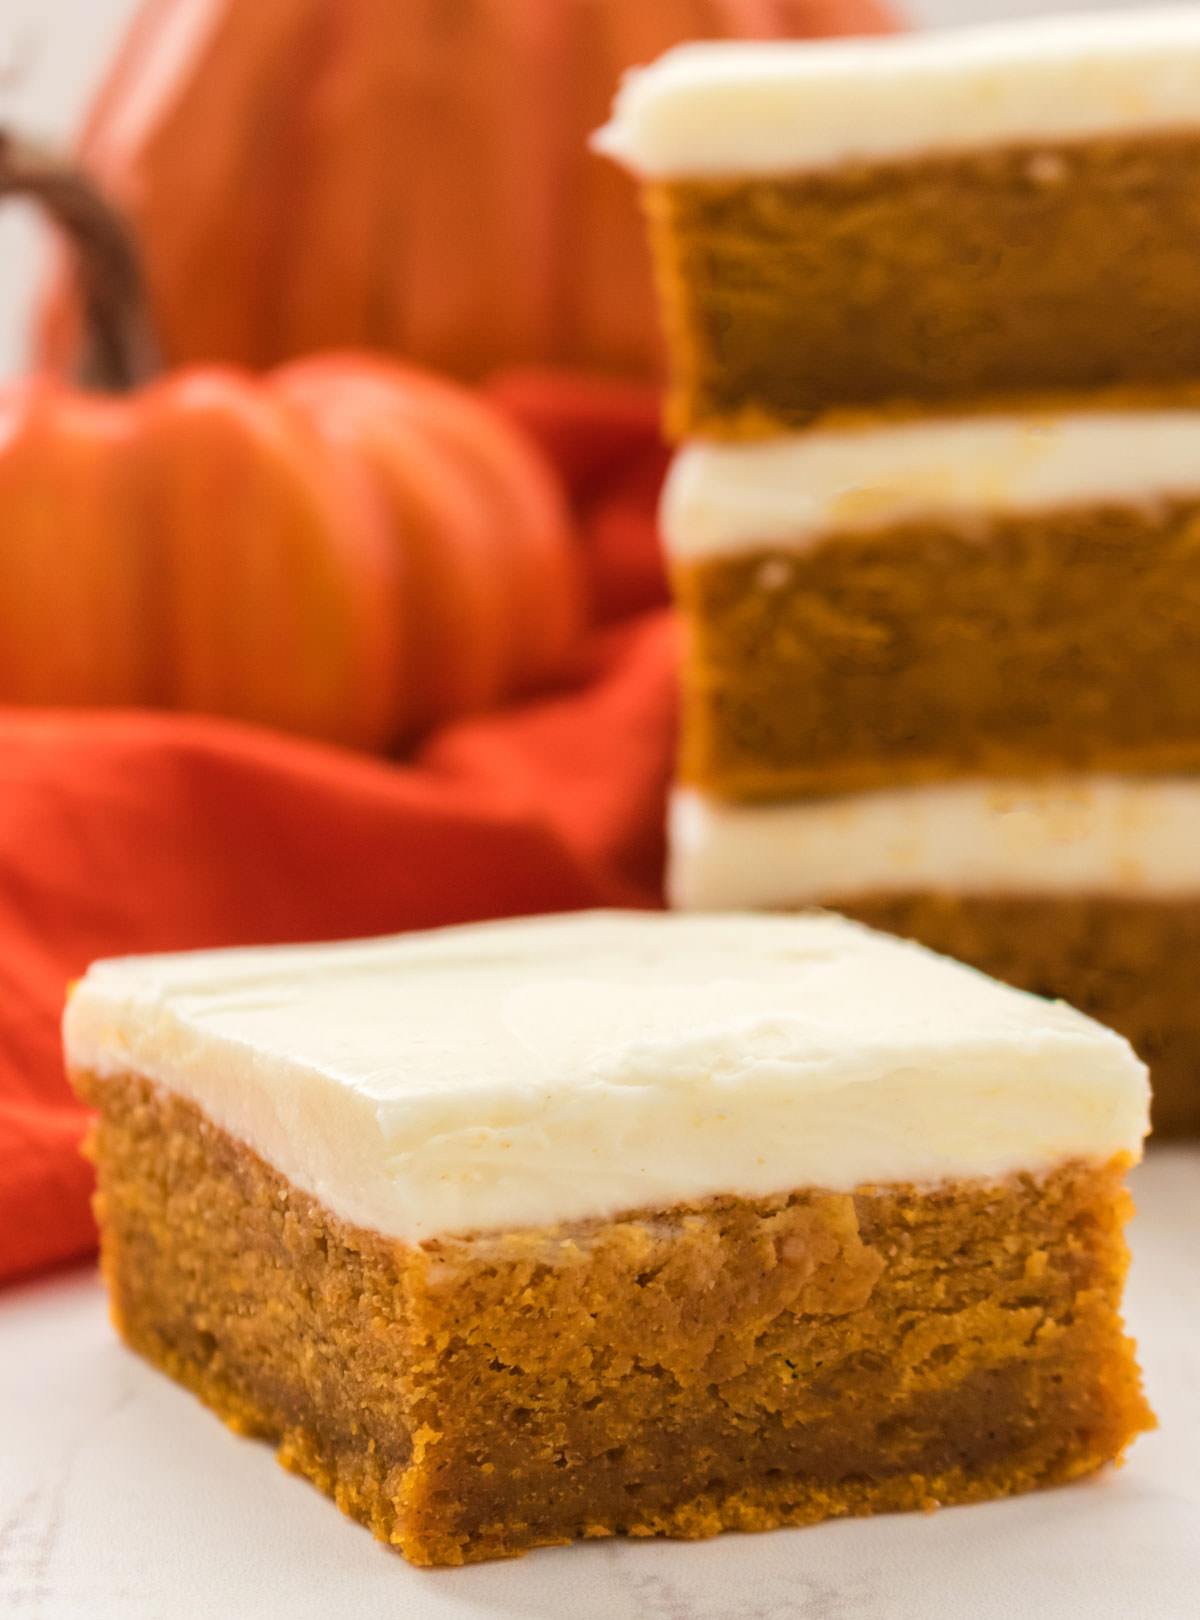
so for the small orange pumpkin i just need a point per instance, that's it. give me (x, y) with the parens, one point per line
(408, 175)
(343, 548)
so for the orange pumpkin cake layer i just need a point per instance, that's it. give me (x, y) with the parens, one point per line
(1067, 641)
(867, 607)
(931, 218)
(1050, 265)
(512, 1234)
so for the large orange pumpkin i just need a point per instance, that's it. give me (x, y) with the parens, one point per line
(343, 548)
(411, 175)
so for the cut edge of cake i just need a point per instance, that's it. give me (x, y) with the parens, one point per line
(923, 219)
(874, 606)
(732, 1359)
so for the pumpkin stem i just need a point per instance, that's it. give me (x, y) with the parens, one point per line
(121, 351)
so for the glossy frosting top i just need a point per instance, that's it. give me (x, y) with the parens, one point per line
(730, 108)
(790, 492)
(1132, 837)
(521, 1074)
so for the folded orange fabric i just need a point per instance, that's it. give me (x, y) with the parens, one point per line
(126, 832)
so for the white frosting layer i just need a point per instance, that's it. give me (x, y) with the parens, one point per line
(790, 491)
(512, 1075)
(1109, 835)
(752, 108)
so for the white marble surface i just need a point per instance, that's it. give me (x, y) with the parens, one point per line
(121, 1496)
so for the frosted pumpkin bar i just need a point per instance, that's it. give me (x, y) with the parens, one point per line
(930, 218)
(939, 674)
(619, 1224)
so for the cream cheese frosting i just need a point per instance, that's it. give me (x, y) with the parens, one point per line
(732, 108)
(1123, 836)
(514, 1075)
(790, 491)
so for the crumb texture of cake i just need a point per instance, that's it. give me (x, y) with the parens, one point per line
(896, 1284)
(734, 1364)
(931, 217)
(913, 602)
(1063, 267)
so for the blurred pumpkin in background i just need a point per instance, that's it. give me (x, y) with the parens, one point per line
(343, 548)
(409, 175)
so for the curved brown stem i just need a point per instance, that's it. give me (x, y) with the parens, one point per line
(121, 351)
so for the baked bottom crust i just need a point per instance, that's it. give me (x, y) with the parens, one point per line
(1054, 641)
(742, 1364)
(1131, 964)
(1056, 265)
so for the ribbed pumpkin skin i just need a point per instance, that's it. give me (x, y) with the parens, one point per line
(254, 548)
(409, 175)
(490, 572)
(73, 608)
(195, 546)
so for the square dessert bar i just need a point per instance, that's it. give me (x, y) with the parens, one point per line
(877, 604)
(619, 1224)
(928, 217)
(940, 674)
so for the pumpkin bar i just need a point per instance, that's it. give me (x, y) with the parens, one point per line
(887, 603)
(933, 217)
(939, 675)
(619, 1224)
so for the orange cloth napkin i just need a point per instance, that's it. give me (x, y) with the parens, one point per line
(128, 832)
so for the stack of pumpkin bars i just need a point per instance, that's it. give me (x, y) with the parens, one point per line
(935, 527)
